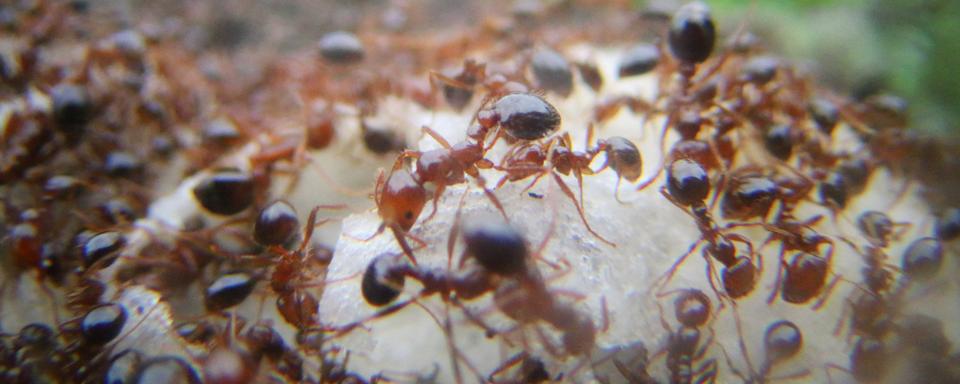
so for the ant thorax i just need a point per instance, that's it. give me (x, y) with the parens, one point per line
(512, 202)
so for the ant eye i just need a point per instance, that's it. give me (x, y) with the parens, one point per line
(226, 192)
(122, 164)
(221, 131)
(639, 60)
(526, 117)
(692, 34)
(552, 71)
(341, 48)
(408, 215)
(228, 290)
(103, 323)
(276, 225)
(35, 334)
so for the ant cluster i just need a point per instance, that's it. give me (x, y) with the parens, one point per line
(169, 213)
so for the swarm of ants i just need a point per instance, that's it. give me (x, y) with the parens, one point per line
(519, 199)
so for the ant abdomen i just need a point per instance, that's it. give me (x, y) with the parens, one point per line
(804, 278)
(687, 182)
(381, 285)
(739, 279)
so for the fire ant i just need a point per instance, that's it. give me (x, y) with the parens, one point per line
(684, 348)
(688, 187)
(297, 305)
(448, 166)
(555, 158)
(505, 269)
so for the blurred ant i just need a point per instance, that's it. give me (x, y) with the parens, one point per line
(684, 349)
(555, 157)
(502, 254)
(782, 341)
(448, 166)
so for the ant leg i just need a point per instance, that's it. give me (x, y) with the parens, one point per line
(491, 196)
(733, 368)
(441, 187)
(829, 366)
(401, 237)
(666, 277)
(779, 280)
(616, 192)
(663, 154)
(380, 230)
(506, 364)
(707, 372)
(436, 136)
(791, 376)
(847, 307)
(743, 344)
(566, 190)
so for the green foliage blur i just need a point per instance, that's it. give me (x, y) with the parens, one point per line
(910, 48)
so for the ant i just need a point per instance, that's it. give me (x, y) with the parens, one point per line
(555, 158)
(505, 269)
(782, 341)
(448, 166)
(684, 348)
(688, 187)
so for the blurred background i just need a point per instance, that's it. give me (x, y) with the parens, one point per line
(908, 48)
(905, 47)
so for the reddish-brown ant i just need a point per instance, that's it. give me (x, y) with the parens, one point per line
(448, 166)
(555, 158)
(688, 186)
(685, 351)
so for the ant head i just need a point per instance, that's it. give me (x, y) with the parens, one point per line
(876, 226)
(402, 199)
